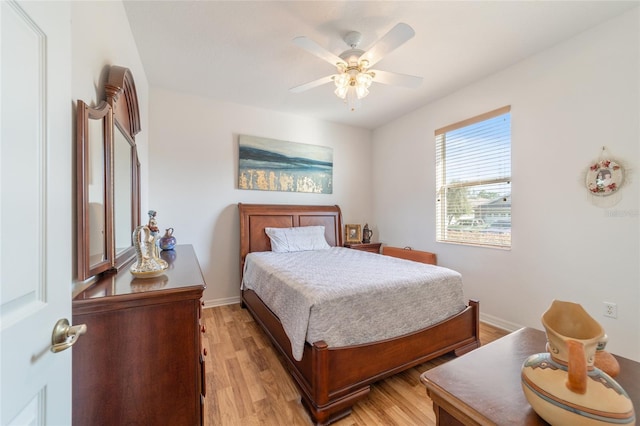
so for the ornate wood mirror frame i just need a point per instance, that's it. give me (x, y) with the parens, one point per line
(94, 127)
(108, 183)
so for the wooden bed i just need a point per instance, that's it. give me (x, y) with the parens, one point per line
(331, 380)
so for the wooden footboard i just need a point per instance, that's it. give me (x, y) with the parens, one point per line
(331, 380)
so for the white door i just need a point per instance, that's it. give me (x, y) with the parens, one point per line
(36, 167)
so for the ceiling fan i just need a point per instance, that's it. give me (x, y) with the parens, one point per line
(354, 74)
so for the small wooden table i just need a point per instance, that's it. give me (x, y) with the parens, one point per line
(483, 387)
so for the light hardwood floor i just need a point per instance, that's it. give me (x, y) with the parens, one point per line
(248, 385)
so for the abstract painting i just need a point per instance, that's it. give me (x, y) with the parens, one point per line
(274, 165)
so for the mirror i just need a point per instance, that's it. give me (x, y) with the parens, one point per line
(122, 190)
(93, 131)
(123, 98)
(108, 193)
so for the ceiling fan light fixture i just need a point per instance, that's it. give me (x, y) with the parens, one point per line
(353, 99)
(353, 77)
(361, 91)
(364, 79)
(341, 91)
(342, 80)
(352, 86)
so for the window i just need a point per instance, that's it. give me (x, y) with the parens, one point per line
(473, 181)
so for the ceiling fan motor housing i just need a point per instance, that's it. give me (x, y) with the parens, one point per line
(352, 39)
(352, 56)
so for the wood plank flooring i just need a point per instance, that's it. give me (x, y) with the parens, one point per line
(248, 385)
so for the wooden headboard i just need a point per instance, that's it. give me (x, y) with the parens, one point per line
(255, 217)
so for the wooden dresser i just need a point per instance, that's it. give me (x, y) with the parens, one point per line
(141, 360)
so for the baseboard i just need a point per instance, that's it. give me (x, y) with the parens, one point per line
(221, 302)
(499, 322)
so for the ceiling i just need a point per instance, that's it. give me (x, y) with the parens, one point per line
(242, 51)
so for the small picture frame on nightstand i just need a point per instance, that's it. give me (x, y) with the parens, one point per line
(352, 234)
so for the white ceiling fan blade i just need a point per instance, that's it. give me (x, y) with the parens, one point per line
(315, 49)
(312, 84)
(396, 79)
(397, 36)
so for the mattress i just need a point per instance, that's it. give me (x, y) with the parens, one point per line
(348, 297)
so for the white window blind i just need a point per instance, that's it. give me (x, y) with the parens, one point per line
(473, 182)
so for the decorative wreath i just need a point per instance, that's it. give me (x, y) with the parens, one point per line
(604, 177)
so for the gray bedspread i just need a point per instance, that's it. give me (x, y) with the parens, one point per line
(348, 297)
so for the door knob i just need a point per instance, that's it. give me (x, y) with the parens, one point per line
(65, 335)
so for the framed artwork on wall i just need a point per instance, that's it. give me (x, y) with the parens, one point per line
(274, 165)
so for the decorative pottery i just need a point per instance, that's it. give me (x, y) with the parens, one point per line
(148, 264)
(604, 360)
(146, 284)
(153, 228)
(168, 241)
(562, 385)
(366, 234)
(170, 256)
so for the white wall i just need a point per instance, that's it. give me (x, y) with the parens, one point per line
(190, 175)
(101, 37)
(194, 173)
(567, 102)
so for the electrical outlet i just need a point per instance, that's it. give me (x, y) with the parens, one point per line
(610, 310)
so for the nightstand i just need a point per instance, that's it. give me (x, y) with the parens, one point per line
(370, 247)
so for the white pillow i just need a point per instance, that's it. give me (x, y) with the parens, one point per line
(301, 238)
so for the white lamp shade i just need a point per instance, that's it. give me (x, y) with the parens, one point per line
(341, 91)
(364, 79)
(361, 91)
(342, 80)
